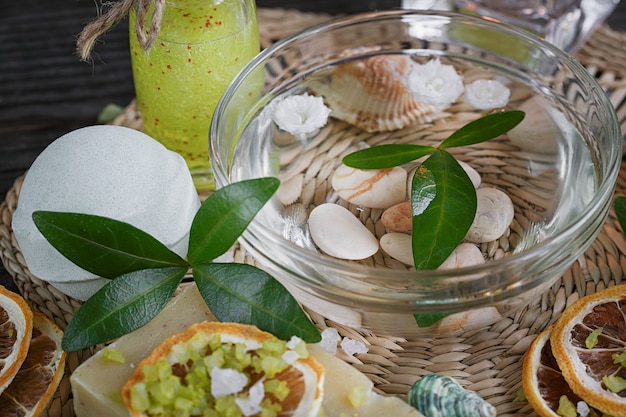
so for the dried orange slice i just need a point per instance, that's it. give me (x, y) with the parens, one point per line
(229, 368)
(16, 326)
(589, 345)
(542, 380)
(37, 380)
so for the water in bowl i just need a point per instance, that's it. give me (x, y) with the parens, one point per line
(544, 165)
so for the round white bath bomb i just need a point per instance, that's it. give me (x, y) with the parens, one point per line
(110, 171)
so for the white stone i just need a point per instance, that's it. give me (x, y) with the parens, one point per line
(466, 254)
(399, 246)
(494, 214)
(470, 319)
(473, 175)
(110, 171)
(339, 233)
(372, 188)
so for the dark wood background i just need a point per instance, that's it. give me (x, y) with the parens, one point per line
(45, 91)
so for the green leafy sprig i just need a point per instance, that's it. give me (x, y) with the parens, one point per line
(443, 199)
(145, 274)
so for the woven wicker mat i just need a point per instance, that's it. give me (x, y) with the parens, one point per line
(488, 360)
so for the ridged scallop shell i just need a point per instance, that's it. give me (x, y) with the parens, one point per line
(437, 395)
(372, 94)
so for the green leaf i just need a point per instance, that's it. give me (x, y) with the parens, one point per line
(224, 216)
(386, 156)
(121, 306)
(619, 204)
(428, 319)
(445, 222)
(423, 190)
(245, 294)
(103, 246)
(484, 128)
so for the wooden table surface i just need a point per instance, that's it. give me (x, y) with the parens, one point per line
(45, 91)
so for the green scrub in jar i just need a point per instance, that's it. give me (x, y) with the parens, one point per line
(202, 45)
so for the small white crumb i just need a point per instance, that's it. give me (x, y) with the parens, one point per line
(293, 342)
(352, 347)
(487, 94)
(435, 83)
(226, 381)
(290, 356)
(252, 405)
(582, 409)
(300, 114)
(330, 338)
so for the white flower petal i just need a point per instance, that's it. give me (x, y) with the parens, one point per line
(487, 94)
(435, 83)
(300, 114)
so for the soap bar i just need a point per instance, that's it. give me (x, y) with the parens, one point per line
(96, 384)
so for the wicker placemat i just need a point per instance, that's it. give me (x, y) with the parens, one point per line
(487, 360)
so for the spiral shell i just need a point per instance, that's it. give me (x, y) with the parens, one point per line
(437, 395)
(372, 94)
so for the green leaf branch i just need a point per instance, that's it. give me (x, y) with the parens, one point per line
(145, 274)
(443, 199)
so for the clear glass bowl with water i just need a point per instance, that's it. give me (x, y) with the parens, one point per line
(559, 168)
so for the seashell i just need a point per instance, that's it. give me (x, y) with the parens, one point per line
(399, 246)
(494, 214)
(398, 218)
(372, 188)
(538, 132)
(437, 395)
(290, 190)
(372, 94)
(339, 233)
(466, 254)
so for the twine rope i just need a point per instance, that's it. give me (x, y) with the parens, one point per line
(117, 11)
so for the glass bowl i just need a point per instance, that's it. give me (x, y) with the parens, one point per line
(559, 166)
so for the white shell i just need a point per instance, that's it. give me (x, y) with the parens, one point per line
(466, 254)
(372, 188)
(290, 190)
(538, 132)
(339, 233)
(372, 94)
(399, 246)
(494, 214)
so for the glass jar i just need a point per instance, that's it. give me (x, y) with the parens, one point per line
(201, 46)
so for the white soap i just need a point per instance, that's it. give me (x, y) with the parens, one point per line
(111, 171)
(97, 382)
